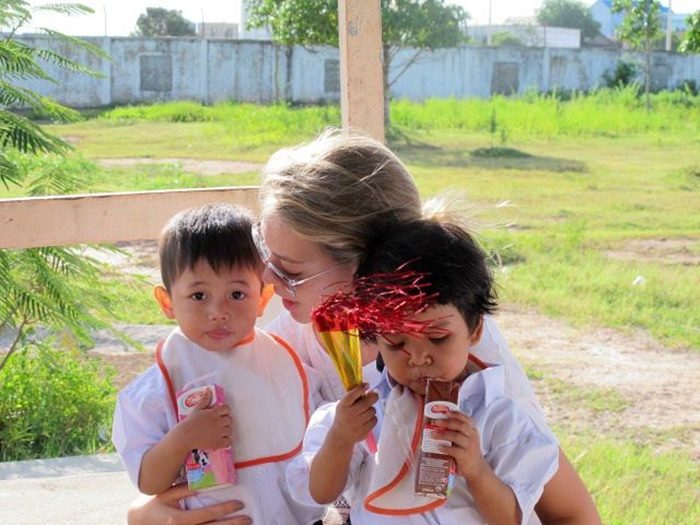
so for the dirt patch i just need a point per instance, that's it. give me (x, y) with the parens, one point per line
(73, 140)
(127, 366)
(201, 167)
(651, 392)
(134, 257)
(682, 251)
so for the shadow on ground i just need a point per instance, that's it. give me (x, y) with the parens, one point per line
(422, 154)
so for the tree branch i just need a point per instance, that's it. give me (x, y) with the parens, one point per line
(15, 343)
(406, 65)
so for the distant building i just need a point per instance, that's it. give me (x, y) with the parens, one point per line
(530, 35)
(217, 30)
(601, 11)
(252, 34)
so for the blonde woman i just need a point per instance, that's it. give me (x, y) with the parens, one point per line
(321, 207)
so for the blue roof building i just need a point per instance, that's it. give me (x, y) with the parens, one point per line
(601, 11)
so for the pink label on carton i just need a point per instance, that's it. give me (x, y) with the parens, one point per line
(205, 469)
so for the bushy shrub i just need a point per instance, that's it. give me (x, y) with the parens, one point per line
(504, 38)
(53, 403)
(624, 74)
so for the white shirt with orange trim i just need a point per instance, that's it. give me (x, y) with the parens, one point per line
(267, 389)
(520, 454)
(492, 348)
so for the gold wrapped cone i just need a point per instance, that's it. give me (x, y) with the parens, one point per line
(343, 347)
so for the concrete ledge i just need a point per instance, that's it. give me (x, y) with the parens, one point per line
(56, 467)
(81, 490)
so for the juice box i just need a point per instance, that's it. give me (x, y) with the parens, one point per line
(206, 469)
(435, 471)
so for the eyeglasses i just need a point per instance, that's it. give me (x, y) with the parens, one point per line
(290, 283)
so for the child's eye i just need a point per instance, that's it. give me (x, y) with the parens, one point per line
(238, 295)
(198, 296)
(394, 345)
(438, 339)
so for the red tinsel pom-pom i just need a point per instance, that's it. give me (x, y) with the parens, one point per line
(378, 304)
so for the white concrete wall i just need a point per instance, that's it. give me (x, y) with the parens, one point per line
(159, 69)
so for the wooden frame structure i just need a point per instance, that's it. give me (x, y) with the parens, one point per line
(112, 217)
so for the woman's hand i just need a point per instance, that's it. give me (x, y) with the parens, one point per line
(165, 508)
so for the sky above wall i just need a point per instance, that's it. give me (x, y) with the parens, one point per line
(118, 17)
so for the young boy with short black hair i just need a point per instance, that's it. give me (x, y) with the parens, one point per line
(212, 288)
(501, 459)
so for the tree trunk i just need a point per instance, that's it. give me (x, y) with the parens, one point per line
(647, 79)
(288, 81)
(386, 66)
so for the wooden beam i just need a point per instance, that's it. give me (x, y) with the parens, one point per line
(108, 217)
(361, 81)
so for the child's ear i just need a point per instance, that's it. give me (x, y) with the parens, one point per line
(267, 292)
(163, 298)
(475, 335)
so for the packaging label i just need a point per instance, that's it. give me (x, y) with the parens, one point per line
(435, 471)
(205, 469)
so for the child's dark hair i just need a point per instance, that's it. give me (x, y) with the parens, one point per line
(455, 265)
(219, 234)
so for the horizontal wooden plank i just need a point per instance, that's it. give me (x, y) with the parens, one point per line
(105, 217)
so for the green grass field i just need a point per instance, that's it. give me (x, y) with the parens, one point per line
(573, 191)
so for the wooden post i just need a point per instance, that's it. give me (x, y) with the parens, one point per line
(361, 80)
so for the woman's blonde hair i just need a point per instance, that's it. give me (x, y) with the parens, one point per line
(338, 190)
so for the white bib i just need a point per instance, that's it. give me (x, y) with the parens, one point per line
(391, 486)
(264, 384)
(392, 482)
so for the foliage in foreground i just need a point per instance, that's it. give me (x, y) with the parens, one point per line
(54, 403)
(34, 285)
(691, 39)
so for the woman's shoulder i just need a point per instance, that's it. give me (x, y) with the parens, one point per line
(300, 336)
(286, 327)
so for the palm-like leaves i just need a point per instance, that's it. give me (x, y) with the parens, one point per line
(41, 285)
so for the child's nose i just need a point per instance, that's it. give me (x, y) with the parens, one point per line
(419, 358)
(218, 312)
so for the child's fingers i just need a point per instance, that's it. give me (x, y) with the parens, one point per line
(221, 411)
(352, 395)
(368, 416)
(455, 421)
(458, 440)
(459, 416)
(371, 397)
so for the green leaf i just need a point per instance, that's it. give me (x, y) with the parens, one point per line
(9, 172)
(20, 133)
(77, 42)
(68, 9)
(18, 61)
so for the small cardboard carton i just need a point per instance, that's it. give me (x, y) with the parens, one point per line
(435, 471)
(206, 469)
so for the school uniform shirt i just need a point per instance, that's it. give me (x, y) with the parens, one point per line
(492, 348)
(520, 455)
(267, 389)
